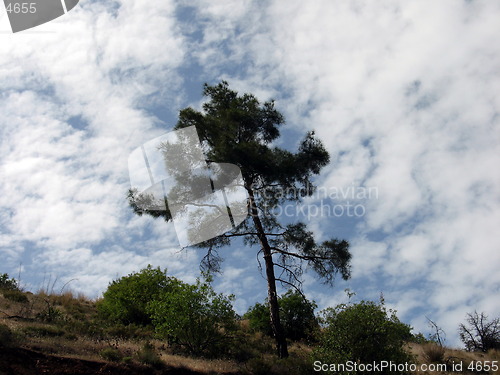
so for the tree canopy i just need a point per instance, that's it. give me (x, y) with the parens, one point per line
(296, 315)
(364, 332)
(126, 299)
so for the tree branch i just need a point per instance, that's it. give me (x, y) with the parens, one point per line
(290, 272)
(292, 285)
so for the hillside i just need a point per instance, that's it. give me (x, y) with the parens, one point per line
(57, 334)
(60, 334)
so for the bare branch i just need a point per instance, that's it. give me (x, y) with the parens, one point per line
(293, 286)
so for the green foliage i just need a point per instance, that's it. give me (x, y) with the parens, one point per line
(296, 315)
(43, 331)
(7, 283)
(15, 295)
(50, 314)
(148, 356)
(194, 317)
(126, 299)
(366, 332)
(240, 130)
(111, 354)
(259, 318)
(419, 338)
(128, 332)
(6, 336)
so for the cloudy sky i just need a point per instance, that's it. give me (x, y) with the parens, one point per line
(404, 95)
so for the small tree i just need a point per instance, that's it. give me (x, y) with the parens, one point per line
(480, 334)
(7, 283)
(365, 332)
(194, 317)
(258, 317)
(126, 299)
(296, 315)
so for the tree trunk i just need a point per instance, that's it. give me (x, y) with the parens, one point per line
(279, 334)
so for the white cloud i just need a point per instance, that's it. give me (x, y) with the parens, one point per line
(64, 184)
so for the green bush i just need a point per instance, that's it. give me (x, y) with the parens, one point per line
(259, 319)
(43, 331)
(15, 295)
(148, 356)
(195, 317)
(419, 338)
(365, 332)
(50, 314)
(128, 332)
(6, 337)
(126, 299)
(7, 283)
(296, 314)
(111, 354)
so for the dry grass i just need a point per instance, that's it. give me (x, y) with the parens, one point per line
(57, 338)
(432, 353)
(253, 352)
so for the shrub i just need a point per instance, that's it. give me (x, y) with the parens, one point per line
(127, 332)
(259, 319)
(480, 334)
(111, 354)
(419, 338)
(6, 337)
(258, 366)
(195, 317)
(7, 283)
(50, 314)
(434, 353)
(43, 331)
(148, 356)
(296, 314)
(15, 295)
(126, 299)
(364, 332)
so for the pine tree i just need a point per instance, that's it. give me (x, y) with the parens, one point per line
(240, 130)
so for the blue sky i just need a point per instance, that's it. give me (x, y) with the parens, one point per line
(403, 95)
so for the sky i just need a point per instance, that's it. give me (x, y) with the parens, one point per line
(404, 96)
